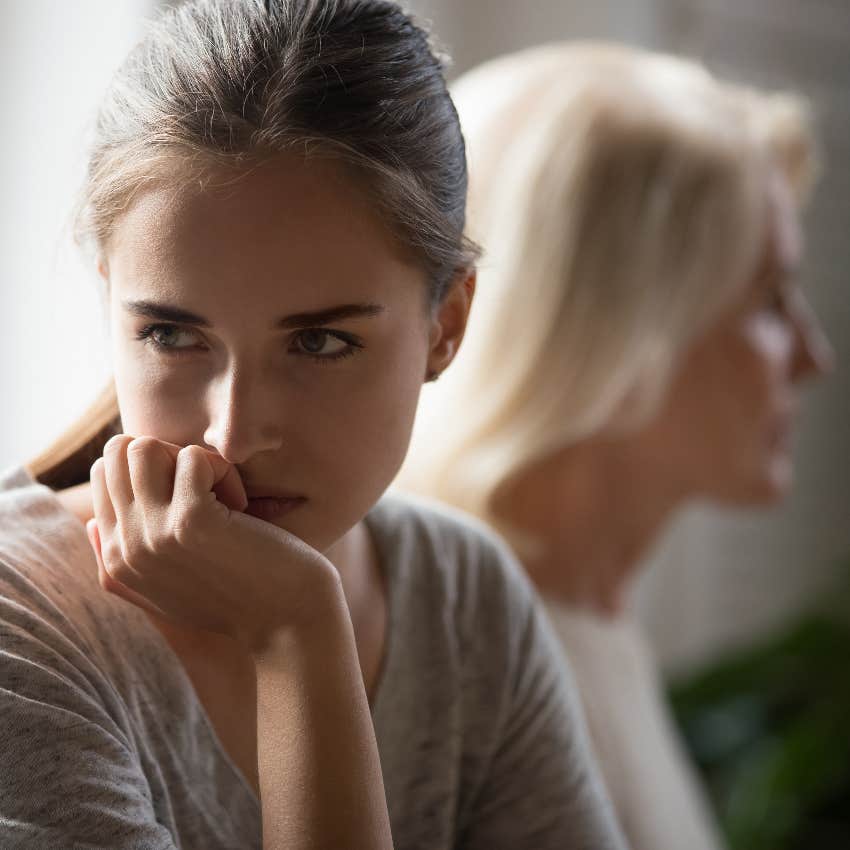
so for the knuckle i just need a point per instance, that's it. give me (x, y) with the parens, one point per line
(187, 531)
(141, 445)
(111, 554)
(190, 452)
(162, 542)
(157, 543)
(96, 467)
(183, 532)
(193, 457)
(115, 444)
(118, 570)
(134, 554)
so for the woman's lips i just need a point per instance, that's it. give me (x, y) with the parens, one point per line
(272, 507)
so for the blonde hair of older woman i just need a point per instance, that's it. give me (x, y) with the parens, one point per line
(602, 181)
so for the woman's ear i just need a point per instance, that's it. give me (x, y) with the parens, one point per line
(448, 323)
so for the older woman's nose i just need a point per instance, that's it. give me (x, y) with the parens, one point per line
(814, 355)
(241, 420)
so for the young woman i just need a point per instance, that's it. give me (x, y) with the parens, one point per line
(638, 341)
(223, 639)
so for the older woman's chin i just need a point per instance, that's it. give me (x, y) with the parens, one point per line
(781, 479)
(763, 486)
(771, 486)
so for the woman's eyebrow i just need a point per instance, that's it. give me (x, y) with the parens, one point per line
(169, 313)
(332, 314)
(164, 313)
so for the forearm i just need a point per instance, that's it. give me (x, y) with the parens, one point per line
(320, 776)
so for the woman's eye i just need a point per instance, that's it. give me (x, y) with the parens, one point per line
(325, 345)
(169, 337)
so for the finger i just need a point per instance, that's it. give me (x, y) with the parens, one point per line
(151, 467)
(227, 483)
(194, 478)
(108, 543)
(118, 481)
(229, 489)
(102, 504)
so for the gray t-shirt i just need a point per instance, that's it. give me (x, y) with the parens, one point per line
(104, 743)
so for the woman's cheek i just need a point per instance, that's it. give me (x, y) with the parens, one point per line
(381, 421)
(400, 397)
(156, 402)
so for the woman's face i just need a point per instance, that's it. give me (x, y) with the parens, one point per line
(727, 422)
(276, 322)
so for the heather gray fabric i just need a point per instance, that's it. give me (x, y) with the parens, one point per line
(104, 744)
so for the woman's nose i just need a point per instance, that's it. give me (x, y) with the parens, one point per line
(241, 420)
(814, 355)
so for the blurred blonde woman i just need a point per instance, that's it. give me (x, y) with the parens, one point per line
(637, 342)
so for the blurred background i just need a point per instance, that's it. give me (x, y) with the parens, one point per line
(733, 601)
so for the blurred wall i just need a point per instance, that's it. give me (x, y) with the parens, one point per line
(55, 60)
(719, 579)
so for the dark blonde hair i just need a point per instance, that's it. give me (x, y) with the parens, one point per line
(226, 85)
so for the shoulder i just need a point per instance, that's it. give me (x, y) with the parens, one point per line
(426, 544)
(56, 623)
(40, 542)
(45, 558)
(474, 674)
(452, 580)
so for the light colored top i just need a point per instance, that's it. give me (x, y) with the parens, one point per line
(104, 743)
(656, 794)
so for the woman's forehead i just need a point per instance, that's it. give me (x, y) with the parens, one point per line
(288, 228)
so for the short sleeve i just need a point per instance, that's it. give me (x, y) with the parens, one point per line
(541, 788)
(69, 776)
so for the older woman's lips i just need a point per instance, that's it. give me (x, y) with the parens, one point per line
(782, 432)
(272, 507)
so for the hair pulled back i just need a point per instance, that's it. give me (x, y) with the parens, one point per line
(219, 83)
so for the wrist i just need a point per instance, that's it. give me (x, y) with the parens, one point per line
(322, 615)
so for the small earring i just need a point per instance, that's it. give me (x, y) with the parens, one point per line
(432, 376)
